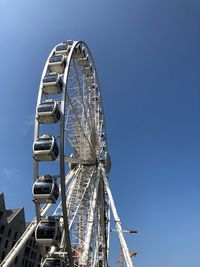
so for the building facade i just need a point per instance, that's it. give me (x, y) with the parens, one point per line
(12, 226)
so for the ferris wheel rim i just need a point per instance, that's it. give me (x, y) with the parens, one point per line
(65, 79)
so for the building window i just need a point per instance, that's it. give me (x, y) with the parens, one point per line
(27, 251)
(30, 242)
(15, 236)
(9, 232)
(6, 244)
(13, 243)
(16, 259)
(3, 255)
(2, 228)
(22, 262)
(0, 239)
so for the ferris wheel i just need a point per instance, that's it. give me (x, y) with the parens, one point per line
(71, 191)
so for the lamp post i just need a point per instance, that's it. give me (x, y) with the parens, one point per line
(131, 253)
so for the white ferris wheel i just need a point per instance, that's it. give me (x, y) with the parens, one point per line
(71, 190)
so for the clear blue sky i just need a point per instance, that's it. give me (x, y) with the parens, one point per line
(147, 54)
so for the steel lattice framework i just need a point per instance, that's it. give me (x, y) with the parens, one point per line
(85, 200)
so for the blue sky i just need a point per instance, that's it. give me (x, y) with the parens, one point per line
(147, 53)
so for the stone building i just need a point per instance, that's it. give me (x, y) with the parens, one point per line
(12, 226)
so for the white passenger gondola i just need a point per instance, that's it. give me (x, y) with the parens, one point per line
(93, 88)
(102, 137)
(62, 49)
(48, 112)
(53, 262)
(48, 232)
(99, 112)
(52, 84)
(101, 125)
(45, 189)
(45, 148)
(57, 63)
(100, 249)
(90, 79)
(84, 59)
(88, 70)
(95, 99)
(77, 53)
(103, 148)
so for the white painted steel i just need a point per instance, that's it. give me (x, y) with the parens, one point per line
(108, 231)
(84, 257)
(118, 225)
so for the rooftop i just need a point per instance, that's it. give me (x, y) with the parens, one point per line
(10, 214)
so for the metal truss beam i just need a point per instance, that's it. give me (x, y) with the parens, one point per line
(118, 224)
(84, 256)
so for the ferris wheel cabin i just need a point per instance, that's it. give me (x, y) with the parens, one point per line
(52, 84)
(88, 70)
(62, 49)
(103, 148)
(101, 124)
(102, 136)
(90, 78)
(53, 262)
(93, 88)
(48, 232)
(84, 59)
(95, 99)
(45, 148)
(57, 64)
(99, 112)
(45, 189)
(77, 51)
(48, 112)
